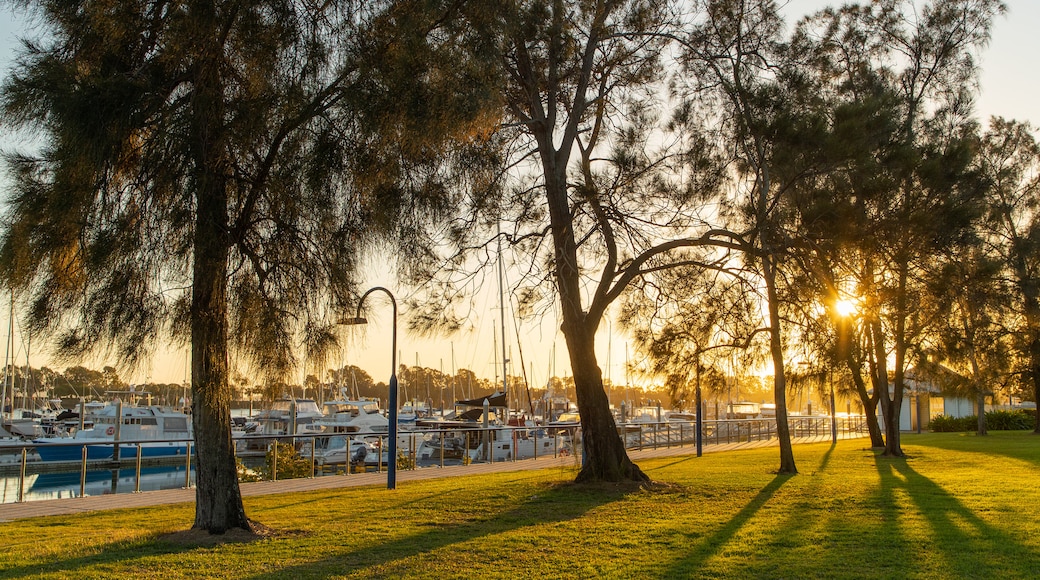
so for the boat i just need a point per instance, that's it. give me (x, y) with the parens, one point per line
(11, 448)
(509, 443)
(284, 413)
(156, 431)
(446, 440)
(358, 416)
(334, 451)
(744, 410)
(278, 420)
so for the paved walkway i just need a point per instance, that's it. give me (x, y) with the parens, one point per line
(54, 507)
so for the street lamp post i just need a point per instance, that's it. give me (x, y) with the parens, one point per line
(834, 416)
(391, 464)
(698, 419)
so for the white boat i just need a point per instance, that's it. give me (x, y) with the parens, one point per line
(359, 416)
(448, 442)
(284, 413)
(11, 448)
(150, 425)
(340, 449)
(278, 420)
(508, 443)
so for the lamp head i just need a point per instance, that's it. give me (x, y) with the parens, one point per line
(353, 321)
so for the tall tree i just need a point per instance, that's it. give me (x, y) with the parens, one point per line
(200, 170)
(590, 197)
(1011, 160)
(740, 75)
(971, 335)
(918, 195)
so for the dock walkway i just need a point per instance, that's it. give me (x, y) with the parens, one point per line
(54, 507)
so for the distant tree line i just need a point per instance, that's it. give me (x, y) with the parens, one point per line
(32, 384)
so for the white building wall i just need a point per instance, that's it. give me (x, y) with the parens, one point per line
(958, 407)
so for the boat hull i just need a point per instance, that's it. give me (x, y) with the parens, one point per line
(50, 451)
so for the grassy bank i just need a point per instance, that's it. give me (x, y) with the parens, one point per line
(959, 506)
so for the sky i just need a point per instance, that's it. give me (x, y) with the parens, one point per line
(1010, 88)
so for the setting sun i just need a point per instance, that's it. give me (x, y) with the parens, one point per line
(845, 307)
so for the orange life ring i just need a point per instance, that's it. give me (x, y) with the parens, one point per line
(110, 430)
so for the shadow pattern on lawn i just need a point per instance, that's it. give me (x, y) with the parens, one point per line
(712, 545)
(969, 546)
(1020, 445)
(100, 555)
(557, 503)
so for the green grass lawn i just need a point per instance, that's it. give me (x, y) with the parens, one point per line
(958, 506)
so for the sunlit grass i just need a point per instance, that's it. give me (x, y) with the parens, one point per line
(958, 506)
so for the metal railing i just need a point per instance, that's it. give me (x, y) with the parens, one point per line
(430, 447)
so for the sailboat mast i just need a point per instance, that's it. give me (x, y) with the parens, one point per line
(453, 397)
(28, 375)
(7, 363)
(502, 307)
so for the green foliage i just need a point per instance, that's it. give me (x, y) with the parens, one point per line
(405, 460)
(1010, 420)
(995, 421)
(246, 474)
(283, 460)
(944, 424)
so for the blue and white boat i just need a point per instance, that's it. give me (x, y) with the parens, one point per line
(158, 431)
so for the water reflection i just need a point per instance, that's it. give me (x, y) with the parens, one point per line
(41, 486)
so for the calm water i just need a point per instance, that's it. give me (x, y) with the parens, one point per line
(98, 482)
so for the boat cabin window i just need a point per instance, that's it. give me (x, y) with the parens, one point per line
(176, 424)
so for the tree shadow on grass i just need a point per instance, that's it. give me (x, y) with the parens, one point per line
(556, 503)
(968, 545)
(677, 460)
(102, 554)
(712, 545)
(1020, 445)
(826, 460)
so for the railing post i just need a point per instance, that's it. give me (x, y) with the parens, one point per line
(83, 472)
(21, 477)
(274, 461)
(137, 471)
(187, 466)
(313, 441)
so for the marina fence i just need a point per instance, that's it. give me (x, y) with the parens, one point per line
(417, 448)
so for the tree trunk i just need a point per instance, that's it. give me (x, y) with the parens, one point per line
(981, 404)
(218, 499)
(893, 445)
(879, 376)
(1034, 370)
(869, 404)
(604, 457)
(891, 427)
(776, 350)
